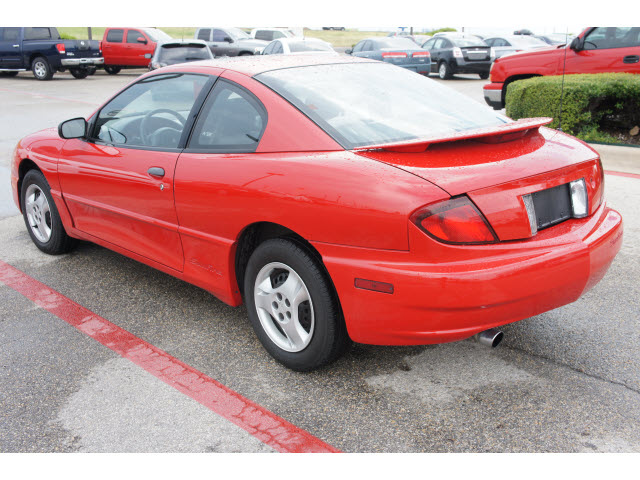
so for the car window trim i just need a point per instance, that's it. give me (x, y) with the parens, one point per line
(186, 132)
(227, 149)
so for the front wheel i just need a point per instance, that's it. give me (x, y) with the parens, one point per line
(79, 73)
(444, 71)
(292, 306)
(41, 69)
(111, 70)
(41, 215)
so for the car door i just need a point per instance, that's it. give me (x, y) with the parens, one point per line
(606, 49)
(212, 174)
(436, 54)
(219, 46)
(137, 46)
(10, 48)
(113, 47)
(118, 183)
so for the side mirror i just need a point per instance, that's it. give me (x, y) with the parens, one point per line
(228, 39)
(142, 40)
(348, 51)
(74, 128)
(148, 56)
(577, 44)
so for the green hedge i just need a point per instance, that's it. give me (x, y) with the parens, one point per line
(592, 106)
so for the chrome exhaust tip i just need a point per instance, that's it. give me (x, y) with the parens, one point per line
(490, 338)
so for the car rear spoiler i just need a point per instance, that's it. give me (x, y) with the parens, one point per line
(497, 134)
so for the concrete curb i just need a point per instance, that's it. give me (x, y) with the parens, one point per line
(619, 159)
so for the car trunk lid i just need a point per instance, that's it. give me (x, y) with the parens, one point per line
(496, 170)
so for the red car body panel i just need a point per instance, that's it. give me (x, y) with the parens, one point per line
(353, 207)
(555, 61)
(127, 53)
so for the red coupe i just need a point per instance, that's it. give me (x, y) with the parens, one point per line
(343, 199)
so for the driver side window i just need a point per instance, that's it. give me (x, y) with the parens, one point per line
(151, 113)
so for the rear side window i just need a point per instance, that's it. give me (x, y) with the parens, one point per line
(9, 34)
(115, 35)
(133, 35)
(37, 33)
(264, 35)
(232, 120)
(204, 34)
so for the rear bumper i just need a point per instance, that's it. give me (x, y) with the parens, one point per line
(444, 293)
(493, 95)
(463, 66)
(81, 62)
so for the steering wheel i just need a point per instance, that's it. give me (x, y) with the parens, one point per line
(144, 136)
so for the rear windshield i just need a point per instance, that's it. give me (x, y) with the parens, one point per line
(309, 46)
(468, 42)
(396, 42)
(362, 104)
(155, 34)
(176, 53)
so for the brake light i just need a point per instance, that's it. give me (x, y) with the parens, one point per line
(61, 48)
(457, 53)
(421, 54)
(455, 221)
(394, 55)
(100, 47)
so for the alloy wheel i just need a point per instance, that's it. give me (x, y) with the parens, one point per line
(38, 213)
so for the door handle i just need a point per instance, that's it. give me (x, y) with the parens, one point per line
(16, 46)
(156, 172)
(631, 59)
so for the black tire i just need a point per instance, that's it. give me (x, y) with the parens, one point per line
(111, 70)
(91, 70)
(9, 74)
(244, 54)
(79, 73)
(41, 69)
(59, 242)
(329, 338)
(444, 71)
(484, 75)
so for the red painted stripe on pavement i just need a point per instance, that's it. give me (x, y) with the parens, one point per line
(52, 97)
(258, 421)
(622, 174)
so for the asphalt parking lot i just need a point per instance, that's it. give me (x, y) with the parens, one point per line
(564, 381)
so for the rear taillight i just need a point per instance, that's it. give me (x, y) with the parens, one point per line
(394, 55)
(454, 221)
(457, 53)
(420, 54)
(100, 47)
(61, 48)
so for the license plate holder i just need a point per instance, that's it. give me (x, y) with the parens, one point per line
(552, 205)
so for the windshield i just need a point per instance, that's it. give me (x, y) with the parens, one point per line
(527, 41)
(468, 42)
(309, 46)
(176, 53)
(155, 34)
(237, 34)
(374, 103)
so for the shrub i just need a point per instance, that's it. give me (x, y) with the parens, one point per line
(593, 105)
(66, 36)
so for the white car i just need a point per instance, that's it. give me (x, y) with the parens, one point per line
(299, 46)
(269, 34)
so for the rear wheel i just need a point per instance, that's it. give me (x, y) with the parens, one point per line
(484, 75)
(292, 306)
(41, 215)
(444, 71)
(111, 70)
(244, 54)
(79, 73)
(41, 69)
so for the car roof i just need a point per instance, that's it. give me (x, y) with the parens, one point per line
(254, 65)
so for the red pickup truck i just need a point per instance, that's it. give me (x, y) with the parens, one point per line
(130, 47)
(595, 50)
